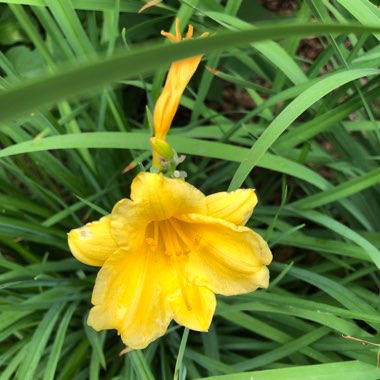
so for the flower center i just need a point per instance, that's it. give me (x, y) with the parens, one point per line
(169, 236)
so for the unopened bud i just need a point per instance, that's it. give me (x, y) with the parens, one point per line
(162, 148)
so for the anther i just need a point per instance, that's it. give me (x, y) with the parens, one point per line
(151, 243)
(197, 238)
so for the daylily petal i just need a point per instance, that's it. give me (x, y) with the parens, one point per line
(235, 207)
(130, 295)
(163, 197)
(229, 259)
(93, 243)
(128, 224)
(202, 302)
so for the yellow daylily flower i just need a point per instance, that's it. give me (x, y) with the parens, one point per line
(165, 253)
(178, 77)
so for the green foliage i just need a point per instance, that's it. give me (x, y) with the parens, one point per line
(292, 110)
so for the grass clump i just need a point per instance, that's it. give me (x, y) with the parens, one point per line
(289, 108)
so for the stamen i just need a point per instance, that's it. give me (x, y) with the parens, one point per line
(171, 37)
(173, 246)
(190, 243)
(153, 242)
(182, 287)
(155, 232)
(174, 225)
(182, 284)
(177, 30)
(190, 31)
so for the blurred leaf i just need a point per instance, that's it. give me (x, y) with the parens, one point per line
(97, 73)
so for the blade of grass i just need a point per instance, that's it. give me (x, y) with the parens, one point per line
(98, 5)
(140, 365)
(99, 72)
(37, 344)
(181, 352)
(333, 371)
(125, 140)
(343, 231)
(344, 190)
(58, 344)
(289, 114)
(363, 10)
